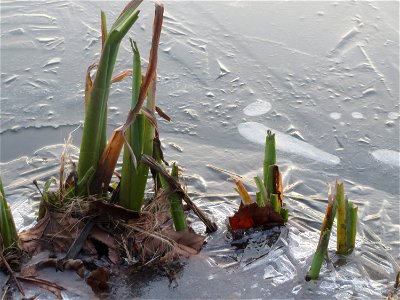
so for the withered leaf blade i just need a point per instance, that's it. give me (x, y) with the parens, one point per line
(278, 184)
(54, 231)
(152, 67)
(187, 238)
(162, 114)
(252, 215)
(88, 83)
(121, 76)
(52, 287)
(150, 117)
(70, 264)
(107, 163)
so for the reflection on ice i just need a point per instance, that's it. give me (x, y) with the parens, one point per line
(389, 157)
(256, 133)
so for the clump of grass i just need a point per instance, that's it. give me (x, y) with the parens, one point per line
(94, 138)
(8, 231)
(140, 137)
(346, 221)
(270, 187)
(346, 214)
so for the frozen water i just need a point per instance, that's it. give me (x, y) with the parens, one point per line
(218, 76)
(256, 133)
(257, 108)
(386, 156)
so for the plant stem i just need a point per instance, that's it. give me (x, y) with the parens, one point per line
(284, 214)
(263, 200)
(352, 212)
(341, 219)
(177, 213)
(276, 204)
(269, 155)
(323, 242)
(8, 230)
(272, 178)
(319, 256)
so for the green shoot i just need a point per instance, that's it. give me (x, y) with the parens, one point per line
(346, 222)
(263, 200)
(94, 132)
(8, 230)
(341, 220)
(269, 155)
(177, 213)
(352, 213)
(322, 248)
(276, 204)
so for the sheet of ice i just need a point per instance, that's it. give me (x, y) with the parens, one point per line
(256, 133)
(389, 157)
(257, 108)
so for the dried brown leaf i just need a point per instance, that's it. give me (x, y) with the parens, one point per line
(187, 238)
(107, 163)
(162, 114)
(70, 264)
(98, 280)
(121, 76)
(52, 287)
(113, 210)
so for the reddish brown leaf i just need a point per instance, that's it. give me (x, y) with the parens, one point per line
(107, 163)
(162, 114)
(252, 215)
(98, 280)
(108, 240)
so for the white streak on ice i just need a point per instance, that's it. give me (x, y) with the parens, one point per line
(256, 133)
(389, 157)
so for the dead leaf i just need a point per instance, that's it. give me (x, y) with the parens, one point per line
(44, 284)
(98, 280)
(70, 264)
(113, 210)
(187, 238)
(162, 114)
(108, 240)
(252, 215)
(55, 231)
(278, 185)
(121, 76)
(107, 163)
